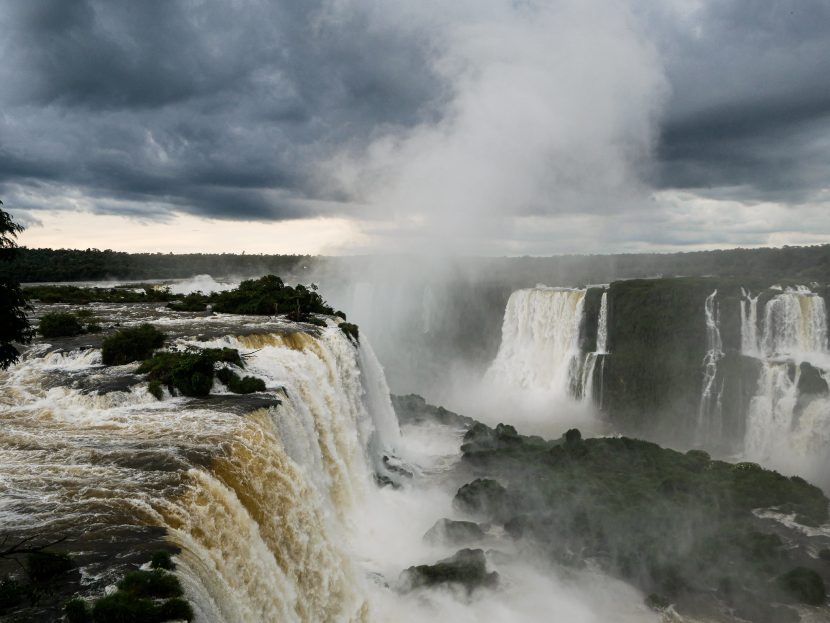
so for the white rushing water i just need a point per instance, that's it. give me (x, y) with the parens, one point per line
(260, 515)
(540, 340)
(540, 377)
(274, 507)
(783, 428)
(710, 409)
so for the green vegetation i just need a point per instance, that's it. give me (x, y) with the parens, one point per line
(350, 330)
(680, 526)
(133, 344)
(14, 324)
(246, 385)
(33, 265)
(194, 302)
(162, 560)
(142, 597)
(41, 571)
(192, 372)
(60, 324)
(268, 296)
(82, 296)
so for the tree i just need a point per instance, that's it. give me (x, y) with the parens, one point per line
(14, 325)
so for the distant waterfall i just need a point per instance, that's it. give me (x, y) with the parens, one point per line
(749, 323)
(259, 499)
(783, 426)
(602, 325)
(586, 389)
(710, 409)
(795, 325)
(540, 341)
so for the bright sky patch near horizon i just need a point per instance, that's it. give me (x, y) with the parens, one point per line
(478, 126)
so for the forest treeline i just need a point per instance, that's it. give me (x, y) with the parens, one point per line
(36, 265)
(806, 264)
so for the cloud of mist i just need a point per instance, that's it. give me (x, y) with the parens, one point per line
(550, 108)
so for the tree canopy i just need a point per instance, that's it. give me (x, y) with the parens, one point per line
(14, 325)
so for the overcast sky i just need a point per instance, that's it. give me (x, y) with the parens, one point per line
(484, 126)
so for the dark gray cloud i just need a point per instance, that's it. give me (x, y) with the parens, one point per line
(750, 103)
(210, 107)
(226, 109)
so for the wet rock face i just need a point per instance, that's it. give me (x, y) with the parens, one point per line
(466, 568)
(448, 531)
(483, 496)
(681, 526)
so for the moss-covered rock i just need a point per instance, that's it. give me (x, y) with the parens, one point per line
(803, 585)
(467, 567)
(448, 531)
(132, 344)
(483, 496)
(682, 526)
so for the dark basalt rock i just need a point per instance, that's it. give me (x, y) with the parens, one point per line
(467, 567)
(810, 381)
(454, 532)
(681, 526)
(413, 409)
(802, 585)
(483, 496)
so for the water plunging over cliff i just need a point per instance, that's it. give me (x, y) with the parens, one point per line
(786, 425)
(258, 494)
(540, 341)
(710, 411)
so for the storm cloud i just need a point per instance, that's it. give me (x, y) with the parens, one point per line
(416, 116)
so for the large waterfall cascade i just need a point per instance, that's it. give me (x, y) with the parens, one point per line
(540, 347)
(782, 426)
(261, 502)
(540, 340)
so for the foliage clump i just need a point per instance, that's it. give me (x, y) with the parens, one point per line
(244, 385)
(132, 344)
(269, 296)
(14, 324)
(351, 331)
(192, 372)
(144, 597)
(193, 302)
(60, 324)
(49, 294)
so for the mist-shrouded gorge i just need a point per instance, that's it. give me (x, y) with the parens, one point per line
(355, 311)
(259, 460)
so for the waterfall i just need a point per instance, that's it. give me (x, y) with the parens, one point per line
(259, 498)
(795, 325)
(784, 428)
(602, 325)
(749, 323)
(710, 409)
(540, 341)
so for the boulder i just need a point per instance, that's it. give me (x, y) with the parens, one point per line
(467, 568)
(454, 532)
